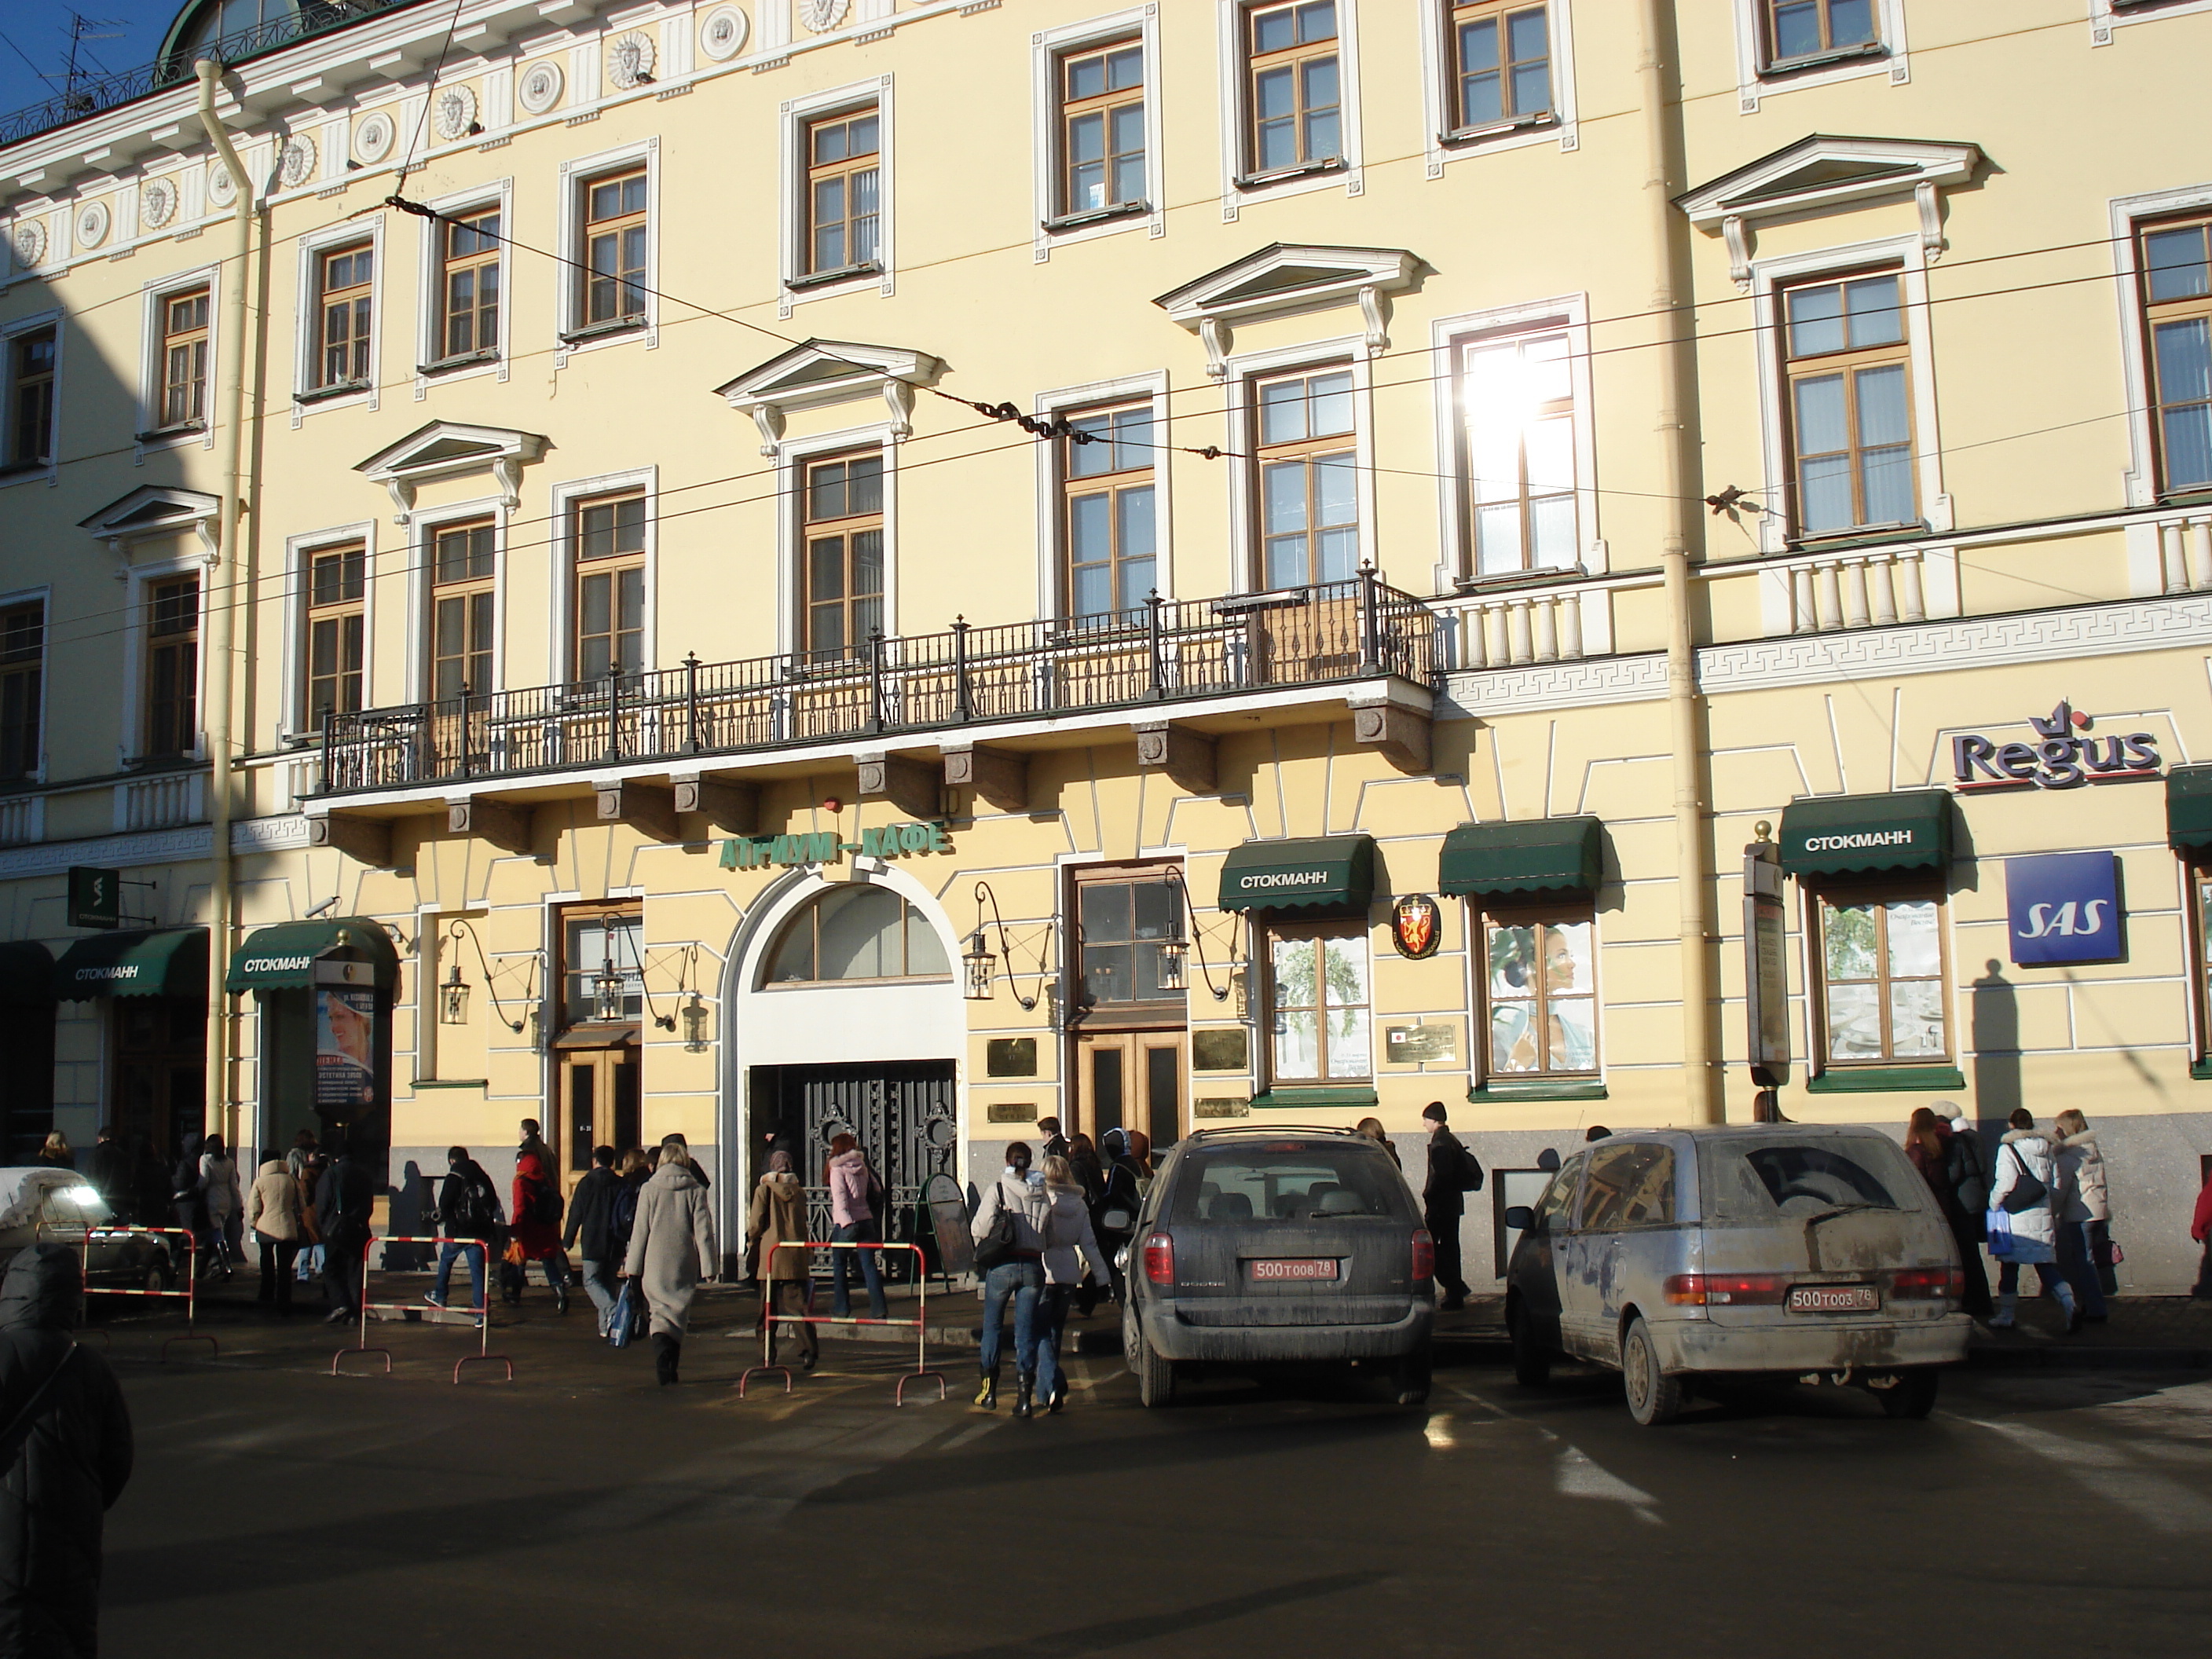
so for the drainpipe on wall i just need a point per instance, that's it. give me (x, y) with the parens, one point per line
(1693, 890)
(222, 601)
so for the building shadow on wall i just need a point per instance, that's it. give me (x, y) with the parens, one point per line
(1996, 1038)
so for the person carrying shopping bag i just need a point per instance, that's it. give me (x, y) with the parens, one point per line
(2021, 1209)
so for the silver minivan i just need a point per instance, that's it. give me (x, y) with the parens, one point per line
(1794, 1251)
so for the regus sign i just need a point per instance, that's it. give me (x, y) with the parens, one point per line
(2063, 908)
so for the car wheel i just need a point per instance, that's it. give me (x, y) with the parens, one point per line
(155, 1279)
(1913, 1396)
(1156, 1377)
(1653, 1397)
(1532, 1360)
(1410, 1378)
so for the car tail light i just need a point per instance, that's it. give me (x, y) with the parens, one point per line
(1727, 1290)
(1159, 1259)
(1424, 1254)
(1928, 1285)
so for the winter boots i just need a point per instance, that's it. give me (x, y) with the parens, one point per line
(2002, 1320)
(667, 1351)
(1027, 1380)
(987, 1393)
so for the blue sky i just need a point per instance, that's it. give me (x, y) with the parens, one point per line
(38, 30)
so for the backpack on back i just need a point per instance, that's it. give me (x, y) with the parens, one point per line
(543, 1204)
(480, 1208)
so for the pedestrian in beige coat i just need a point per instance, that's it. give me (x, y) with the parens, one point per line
(778, 1216)
(278, 1217)
(672, 1249)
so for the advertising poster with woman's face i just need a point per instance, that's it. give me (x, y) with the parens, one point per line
(345, 1050)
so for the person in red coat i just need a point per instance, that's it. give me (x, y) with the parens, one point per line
(2200, 1229)
(535, 1230)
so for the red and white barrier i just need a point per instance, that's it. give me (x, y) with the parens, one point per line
(770, 1319)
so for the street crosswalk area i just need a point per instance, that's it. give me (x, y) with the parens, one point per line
(1297, 1515)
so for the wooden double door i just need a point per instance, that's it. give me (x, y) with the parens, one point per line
(1133, 1080)
(600, 1092)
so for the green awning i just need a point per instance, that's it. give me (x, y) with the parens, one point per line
(1534, 855)
(1836, 835)
(1333, 871)
(172, 962)
(27, 973)
(2189, 806)
(283, 958)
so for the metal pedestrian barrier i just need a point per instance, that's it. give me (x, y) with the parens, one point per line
(189, 1296)
(770, 1319)
(483, 1356)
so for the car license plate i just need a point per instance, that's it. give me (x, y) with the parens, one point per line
(1834, 1298)
(1298, 1267)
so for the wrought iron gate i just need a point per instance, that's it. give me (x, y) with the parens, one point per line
(904, 1116)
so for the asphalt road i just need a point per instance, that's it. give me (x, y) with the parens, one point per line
(583, 1511)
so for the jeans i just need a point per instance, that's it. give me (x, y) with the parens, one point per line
(2100, 1257)
(310, 1264)
(2075, 1261)
(840, 1300)
(277, 1255)
(600, 1284)
(1041, 1358)
(475, 1252)
(2050, 1280)
(1024, 1282)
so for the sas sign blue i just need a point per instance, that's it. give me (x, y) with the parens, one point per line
(2063, 907)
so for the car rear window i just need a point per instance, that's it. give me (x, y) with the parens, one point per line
(1746, 1181)
(1285, 1181)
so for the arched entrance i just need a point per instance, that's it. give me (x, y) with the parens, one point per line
(847, 1019)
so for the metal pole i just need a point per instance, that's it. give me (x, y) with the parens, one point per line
(876, 678)
(1157, 644)
(1370, 650)
(964, 695)
(1693, 895)
(691, 700)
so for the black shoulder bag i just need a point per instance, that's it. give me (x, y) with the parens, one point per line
(2027, 1192)
(996, 1247)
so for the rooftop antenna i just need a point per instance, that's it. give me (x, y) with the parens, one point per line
(80, 30)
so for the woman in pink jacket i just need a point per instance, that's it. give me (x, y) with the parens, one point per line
(855, 1200)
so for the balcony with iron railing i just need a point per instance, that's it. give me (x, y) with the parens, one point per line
(93, 95)
(1168, 653)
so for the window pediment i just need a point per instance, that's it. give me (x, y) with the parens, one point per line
(1821, 173)
(1285, 278)
(821, 372)
(444, 449)
(155, 510)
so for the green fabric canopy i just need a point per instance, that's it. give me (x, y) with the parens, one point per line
(26, 972)
(1333, 871)
(1837, 834)
(170, 962)
(283, 958)
(2189, 806)
(1534, 855)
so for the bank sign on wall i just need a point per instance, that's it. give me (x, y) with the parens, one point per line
(2063, 908)
(2065, 755)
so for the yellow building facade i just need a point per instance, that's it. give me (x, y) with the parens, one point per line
(802, 565)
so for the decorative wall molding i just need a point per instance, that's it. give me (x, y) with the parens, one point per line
(269, 835)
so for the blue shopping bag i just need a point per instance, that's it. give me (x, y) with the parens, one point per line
(619, 1322)
(1999, 1229)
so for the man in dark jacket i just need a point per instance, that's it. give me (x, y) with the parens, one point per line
(65, 1443)
(591, 1217)
(468, 1215)
(343, 1200)
(1453, 1174)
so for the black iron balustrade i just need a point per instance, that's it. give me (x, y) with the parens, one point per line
(1168, 652)
(93, 94)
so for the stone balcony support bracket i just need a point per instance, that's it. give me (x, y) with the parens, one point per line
(724, 803)
(365, 839)
(647, 808)
(1001, 776)
(910, 785)
(506, 827)
(1395, 730)
(1188, 756)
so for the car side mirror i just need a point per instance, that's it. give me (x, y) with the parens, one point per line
(1521, 1218)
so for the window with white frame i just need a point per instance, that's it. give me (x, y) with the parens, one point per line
(345, 298)
(1294, 87)
(1306, 477)
(1101, 128)
(1881, 955)
(32, 356)
(842, 198)
(607, 534)
(181, 321)
(1500, 64)
(842, 567)
(1318, 1003)
(464, 582)
(1110, 534)
(1847, 371)
(2174, 260)
(336, 623)
(22, 686)
(612, 250)
(1785, 45)
(1801, 32)
(466, 306)
(171, 667)
(1519, 429)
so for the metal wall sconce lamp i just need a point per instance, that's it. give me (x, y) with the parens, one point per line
(980, 962)
(1175, 949)
(453, 994)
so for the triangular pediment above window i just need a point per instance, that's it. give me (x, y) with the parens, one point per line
(1286, 278)
(819, 372)
(1824, 171)
(153, 510)
(445, 449)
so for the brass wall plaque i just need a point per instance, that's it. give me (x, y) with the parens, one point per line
(1220, 1108)
(1228, 1049)
(1414, 1045)
(1011, 1057)
(1014, 1111)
